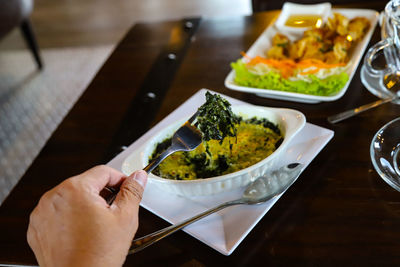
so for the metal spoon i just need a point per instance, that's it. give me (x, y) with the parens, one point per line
(262, 189)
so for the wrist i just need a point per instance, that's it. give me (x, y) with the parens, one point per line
(85, 259)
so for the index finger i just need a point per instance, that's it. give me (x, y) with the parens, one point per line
(100, 176)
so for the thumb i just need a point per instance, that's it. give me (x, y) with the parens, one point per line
(131, 192)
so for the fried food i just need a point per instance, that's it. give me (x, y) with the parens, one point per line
(280, 40)
(277, 52)
(315, 33)
(279, 49)
(314, 49)
(357, 28)
(341, 48)
(331, 43)
(338, 24)
(307, 47)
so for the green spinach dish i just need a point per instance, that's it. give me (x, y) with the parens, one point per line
(230, 143)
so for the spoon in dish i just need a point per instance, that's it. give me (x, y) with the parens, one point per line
(261, 190)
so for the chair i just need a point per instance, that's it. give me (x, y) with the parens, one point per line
(15, 13)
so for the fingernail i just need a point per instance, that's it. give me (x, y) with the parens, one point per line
(140, 177)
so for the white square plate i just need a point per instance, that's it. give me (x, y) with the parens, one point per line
(223, 230)
(263, 43)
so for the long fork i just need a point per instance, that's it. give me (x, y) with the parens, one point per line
(186, 138)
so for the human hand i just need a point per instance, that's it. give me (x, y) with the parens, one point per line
(74, 226)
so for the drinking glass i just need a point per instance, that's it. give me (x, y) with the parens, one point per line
(389, 76)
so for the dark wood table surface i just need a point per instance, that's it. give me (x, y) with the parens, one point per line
(342, 214)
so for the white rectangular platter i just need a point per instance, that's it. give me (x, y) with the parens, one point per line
(263, 43)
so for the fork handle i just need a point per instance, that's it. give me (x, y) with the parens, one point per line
(109, 193)
(154, 163)
(145, 241)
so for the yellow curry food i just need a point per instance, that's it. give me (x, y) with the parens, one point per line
(256, 139)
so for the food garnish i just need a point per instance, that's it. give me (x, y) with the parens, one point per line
(330, 85)
(216, 119)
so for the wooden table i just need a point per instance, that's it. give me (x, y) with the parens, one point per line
(342, 214)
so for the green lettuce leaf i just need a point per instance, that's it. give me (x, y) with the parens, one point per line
(274, 81)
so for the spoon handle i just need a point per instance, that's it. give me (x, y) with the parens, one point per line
(143, 242)
(350, 113)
